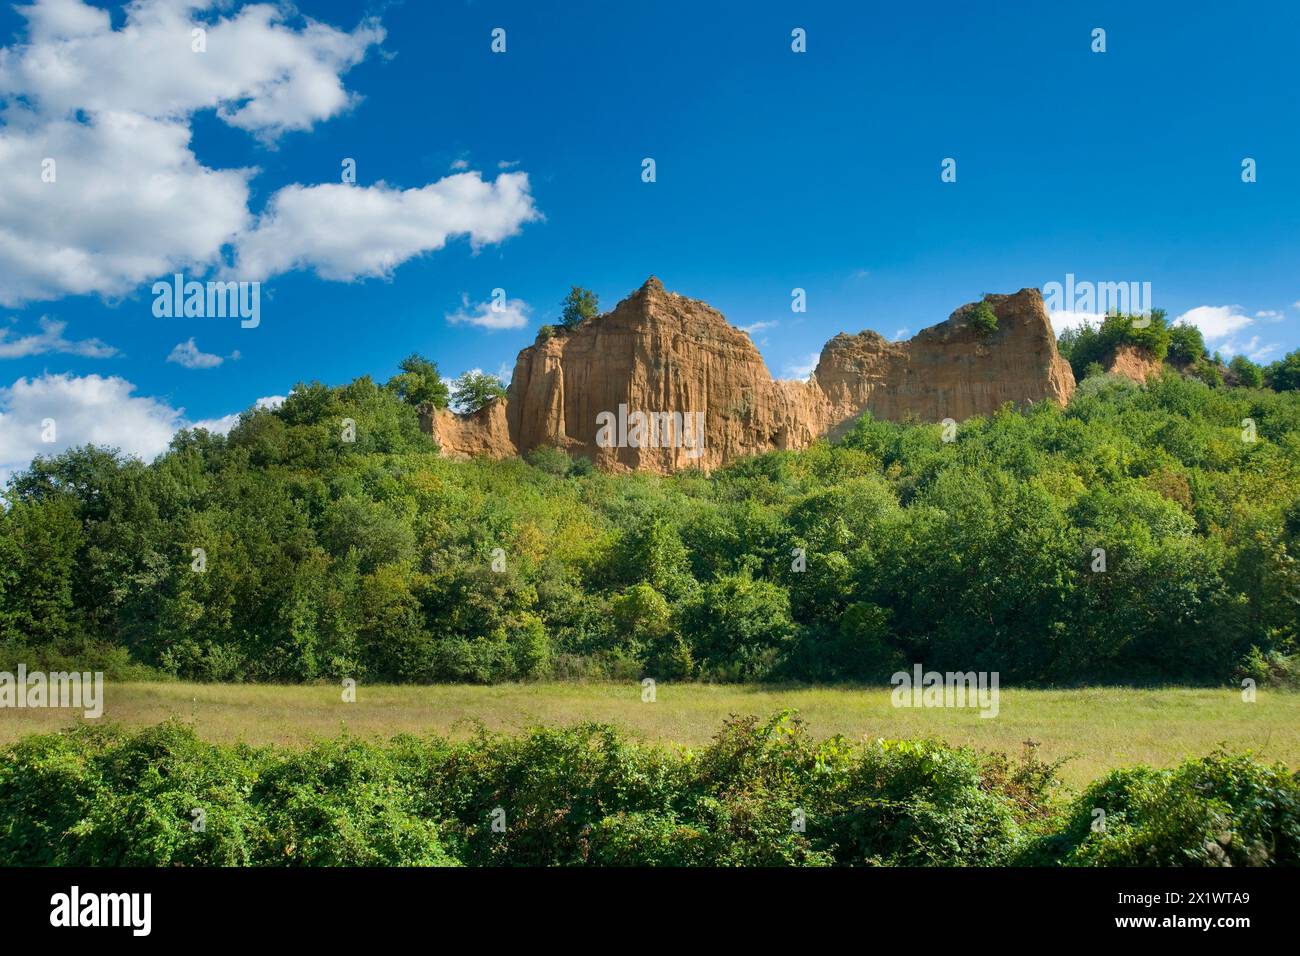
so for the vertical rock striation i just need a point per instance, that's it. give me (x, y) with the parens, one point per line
(659, 352)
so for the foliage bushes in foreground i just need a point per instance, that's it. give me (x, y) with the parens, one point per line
(763, 793)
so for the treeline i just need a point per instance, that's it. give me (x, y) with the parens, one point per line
(761, 794)
(1090, 347)
(1142, 534)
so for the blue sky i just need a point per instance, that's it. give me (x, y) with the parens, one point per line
(775, 170)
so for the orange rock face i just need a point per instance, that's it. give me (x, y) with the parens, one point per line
(631, 388)
(1133, 362)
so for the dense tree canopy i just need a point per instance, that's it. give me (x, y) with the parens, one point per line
(1141, 534)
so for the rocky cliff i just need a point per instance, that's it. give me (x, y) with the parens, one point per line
(663, 382)
(1133, 362)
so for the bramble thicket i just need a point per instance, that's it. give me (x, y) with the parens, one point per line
(763, 793)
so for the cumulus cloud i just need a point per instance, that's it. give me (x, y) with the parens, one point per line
(1253, 348)
(256, 70)
(511, 314)
(128, 202)
(1216, 322)
(51, 339)
(350, 232)
(187, 355)
(1220, 325)
(1063, 320)
(101, 191)
(76, 410)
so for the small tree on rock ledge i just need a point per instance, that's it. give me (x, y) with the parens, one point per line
(983, 319)
(579, 305)
(473, 390)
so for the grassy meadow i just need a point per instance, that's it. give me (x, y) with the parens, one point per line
(1097, 729)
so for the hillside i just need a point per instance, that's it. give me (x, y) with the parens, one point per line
(1139, 534)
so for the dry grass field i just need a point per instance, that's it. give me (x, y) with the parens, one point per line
(1097, 728)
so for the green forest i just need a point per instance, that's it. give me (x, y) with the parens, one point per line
(1141, 534)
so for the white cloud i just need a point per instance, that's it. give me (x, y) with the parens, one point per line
(1220, 325)
(802, 370)
(1252, 348)
(350, 232)
(1063, 320)
(187, 355)
(259, 73)
(511, 314)
(1270, 314)
(129, 201)
(902, 334)
(50, 339)
(90, 409)
(1216, 322)
(222, 425)
(758, 327)
(83, 409)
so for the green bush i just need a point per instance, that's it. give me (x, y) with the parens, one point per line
(762, 793)
(983, 319)
(341, 803)
(1221, 810)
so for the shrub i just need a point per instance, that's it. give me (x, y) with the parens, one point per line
(1247, 373)
(762, 793)
(341, 803)
(1186, 344)
(983, 319)
(1221, 810)
(549, 459)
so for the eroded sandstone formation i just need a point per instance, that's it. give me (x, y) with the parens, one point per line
(674, 361)
(1133, 361)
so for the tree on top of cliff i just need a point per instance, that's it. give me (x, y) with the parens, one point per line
(579, 305)
(1091, 344)
(419, 382)
(473, 390)
(983, 319)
